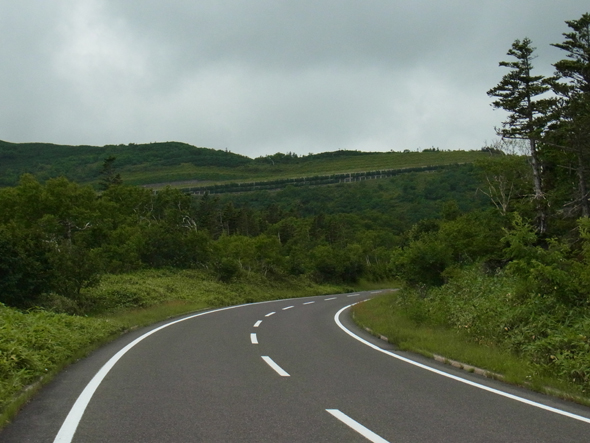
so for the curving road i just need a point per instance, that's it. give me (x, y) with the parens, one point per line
(284, 371)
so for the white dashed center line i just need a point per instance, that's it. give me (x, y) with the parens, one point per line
(269, 314)
(367, 433)
(332, 298)
(254, 339)
(288, 307)
(257, 323)
(353, 295)
(308, 303)
(276, 367)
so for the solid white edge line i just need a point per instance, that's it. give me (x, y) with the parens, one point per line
(68, 428)
(367, 433)
(70, 424)
(269, 314)
(454, 377)
(276, 367)
(257, 323)
(253, 338)
(288, 307)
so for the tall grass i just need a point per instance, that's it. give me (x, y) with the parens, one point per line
(477, 320)
(407, 329)
(37, 344)
(325, 166)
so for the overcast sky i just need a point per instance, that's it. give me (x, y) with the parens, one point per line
(260, 77)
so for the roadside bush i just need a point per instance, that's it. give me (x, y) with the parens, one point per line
(227, 269)
(36, 343)
(435, 247)
(24, 269)
(333, 264)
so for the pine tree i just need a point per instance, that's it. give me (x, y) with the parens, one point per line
(517, 93)
(108, 176)
(574, 89)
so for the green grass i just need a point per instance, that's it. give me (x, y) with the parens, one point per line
(36, 345)
(326, 166)
(365, 285)
(144, 174)
(383, 317)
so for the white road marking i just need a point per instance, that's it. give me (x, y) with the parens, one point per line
(269, 314)
(70, 424)
(332, 298)
(367, 433)
(308, 303)
(288, 307)
(254, 339)
(257, 323)
(276, 367)
(353, 295)
(454, 377)
(376, 292)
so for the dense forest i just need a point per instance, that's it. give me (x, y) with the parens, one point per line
(57, 238)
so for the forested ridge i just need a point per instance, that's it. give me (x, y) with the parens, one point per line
(159, 164)
(497, 250)
(83, 163)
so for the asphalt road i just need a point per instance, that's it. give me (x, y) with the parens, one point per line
(282, 371)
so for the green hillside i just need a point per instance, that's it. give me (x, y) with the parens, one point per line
(138, 162)
(184, 165)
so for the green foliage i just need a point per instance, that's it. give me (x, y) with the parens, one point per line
(83, 163)
(172, 162)
(60, 238)
(24, 267)
(109, 177)
(537, 306)
(435, 247)
(577, 46)
(528, 116)
(74, 268)
(547, 271)
(395, 203)
(38, 343)
(516, 94)
(337, 264)
(406, 321)
(571, 131)
(507, 182)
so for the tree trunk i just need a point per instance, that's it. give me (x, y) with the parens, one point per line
(539, 196)
(582, 186)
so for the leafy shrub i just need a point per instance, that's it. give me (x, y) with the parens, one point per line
(36, 343)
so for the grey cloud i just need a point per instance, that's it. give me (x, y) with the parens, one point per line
(265, 76)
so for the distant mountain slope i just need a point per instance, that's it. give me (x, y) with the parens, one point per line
(83, 163)
(171, 163)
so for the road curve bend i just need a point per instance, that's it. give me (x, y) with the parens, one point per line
(293, 370)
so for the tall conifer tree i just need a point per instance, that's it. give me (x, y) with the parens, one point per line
(517, 93)
(574, 71)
